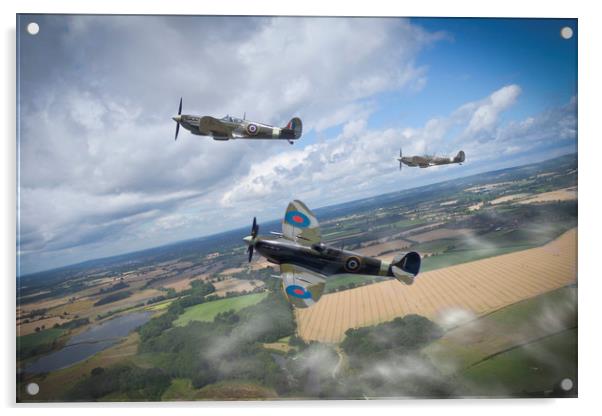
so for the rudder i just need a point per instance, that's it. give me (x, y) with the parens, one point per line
(406, 267)
(296, 126)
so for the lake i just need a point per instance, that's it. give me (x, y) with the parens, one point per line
(87, 343)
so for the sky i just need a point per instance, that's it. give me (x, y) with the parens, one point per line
(100, 173)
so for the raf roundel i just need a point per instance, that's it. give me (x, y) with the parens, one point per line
(297, 219)
(352, 264)
(252, 129)
(298, 292)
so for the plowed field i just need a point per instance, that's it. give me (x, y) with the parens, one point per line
(480, 287)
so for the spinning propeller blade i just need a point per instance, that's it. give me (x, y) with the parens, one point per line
(177, 121)
(254, 231)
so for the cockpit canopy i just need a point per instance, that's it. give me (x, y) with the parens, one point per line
(231, 119)
(325, 250)
(319, 247)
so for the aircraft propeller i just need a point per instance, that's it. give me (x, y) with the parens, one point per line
(177, 119)
(254, 232)
(400, 157)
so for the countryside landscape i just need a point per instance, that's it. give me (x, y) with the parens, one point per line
(493, 312)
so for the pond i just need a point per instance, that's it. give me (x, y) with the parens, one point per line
(87, 343)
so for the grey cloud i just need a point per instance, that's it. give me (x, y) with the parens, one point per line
(361, 162)
(97, 93)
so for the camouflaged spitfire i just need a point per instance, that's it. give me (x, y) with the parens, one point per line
(427, 161)
(306, 262)
(230, 128)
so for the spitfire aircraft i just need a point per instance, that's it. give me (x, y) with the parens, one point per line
(427, 161)
(230, 128)
(306, 262)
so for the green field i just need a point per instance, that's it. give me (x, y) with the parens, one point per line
(208, 311)
(339, 281)
(235, 390)
(436, 246)
(46, 336)
(451, 258)
(515, 325)
(528, 369)
(180, 389)
(563, 299)
(495, 243)
(406, 223)
(159, 306)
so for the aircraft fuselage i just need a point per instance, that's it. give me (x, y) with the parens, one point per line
(236, 128)
(321, 258)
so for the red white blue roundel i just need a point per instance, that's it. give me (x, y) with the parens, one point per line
(352, 264)
(297, 219)
(252, 129)
(298, 292)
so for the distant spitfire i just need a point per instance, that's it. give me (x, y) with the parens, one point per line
(230, 128)
(426, 161)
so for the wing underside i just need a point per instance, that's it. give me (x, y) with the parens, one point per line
(300, 224)
(302, 287)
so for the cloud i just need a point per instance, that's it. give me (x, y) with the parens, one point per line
(222, 346)
(98, 162)
(101, 175)
(362, 159)
(552, 125)
(485, 114)
(453, 317)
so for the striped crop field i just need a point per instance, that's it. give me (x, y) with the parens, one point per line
(479, 287)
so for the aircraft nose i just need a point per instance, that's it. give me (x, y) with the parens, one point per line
(247, 240)
(177, 118)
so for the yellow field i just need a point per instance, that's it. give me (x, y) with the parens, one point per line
(43, 304)
(475, 207)
(177, 284)
(30, 327)
(236, 285)
(232, 270)
(261, 263)
(447, 203)
(479, 287)
(565, 194)
(508, 198)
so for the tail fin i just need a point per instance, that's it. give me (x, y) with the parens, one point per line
(460, 157)
(406, 267)
(296, 126)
